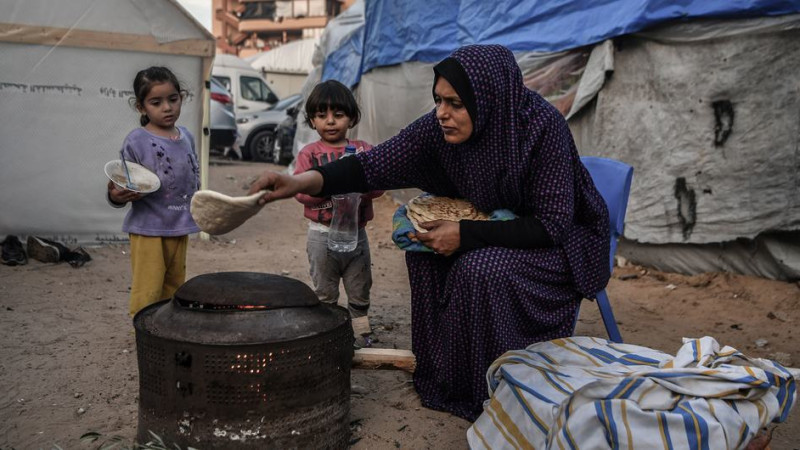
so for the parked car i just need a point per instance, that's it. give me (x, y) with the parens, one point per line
(223, 122)
(257, 130)
(284, 136)
(246, 85)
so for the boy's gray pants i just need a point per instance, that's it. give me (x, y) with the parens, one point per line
(353, 268)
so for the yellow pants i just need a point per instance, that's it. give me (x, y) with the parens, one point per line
(159, 268)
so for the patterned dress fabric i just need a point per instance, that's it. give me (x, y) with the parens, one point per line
(470, 308)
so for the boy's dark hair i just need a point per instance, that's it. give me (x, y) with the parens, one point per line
(332, 95)
(144, 81)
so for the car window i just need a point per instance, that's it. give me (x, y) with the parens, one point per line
(254, 89)
(217, 87)
(224, 81)
(287, 102)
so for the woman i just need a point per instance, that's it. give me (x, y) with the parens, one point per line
(492, 286)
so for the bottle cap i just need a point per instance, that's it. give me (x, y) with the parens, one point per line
(350, 148)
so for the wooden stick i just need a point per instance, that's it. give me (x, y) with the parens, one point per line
(384, 358)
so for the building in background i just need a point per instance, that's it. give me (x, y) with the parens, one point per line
(247, 27)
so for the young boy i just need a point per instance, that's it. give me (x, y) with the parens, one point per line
(332, 110)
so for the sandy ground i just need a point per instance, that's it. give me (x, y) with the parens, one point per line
(68, 356)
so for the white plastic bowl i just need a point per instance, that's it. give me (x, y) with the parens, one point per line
(144, 181)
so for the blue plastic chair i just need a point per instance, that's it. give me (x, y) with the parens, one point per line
(613, 179)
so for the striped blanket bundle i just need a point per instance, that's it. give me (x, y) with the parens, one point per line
(589, 393)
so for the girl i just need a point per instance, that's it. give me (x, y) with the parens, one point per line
(158, 223)
(332, 110)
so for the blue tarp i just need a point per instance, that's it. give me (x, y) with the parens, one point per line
(428, 30)
(344, 63)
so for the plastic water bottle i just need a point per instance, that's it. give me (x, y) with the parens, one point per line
(343, 236)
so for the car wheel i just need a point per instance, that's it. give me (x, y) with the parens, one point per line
(262, 146)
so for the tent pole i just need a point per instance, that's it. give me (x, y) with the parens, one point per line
(205, 136)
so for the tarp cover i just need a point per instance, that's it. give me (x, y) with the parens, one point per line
(430, 30)
(705, 110)
(341, 45)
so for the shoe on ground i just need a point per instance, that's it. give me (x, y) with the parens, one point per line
(78, 257)
(363, 341)
(43, 250)
(12, 253)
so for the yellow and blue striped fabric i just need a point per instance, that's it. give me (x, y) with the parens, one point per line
(589, 393)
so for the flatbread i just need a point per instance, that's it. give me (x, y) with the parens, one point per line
(416, 220)
(427, 208)
(217, 213)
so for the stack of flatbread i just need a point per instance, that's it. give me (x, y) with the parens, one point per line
(426, 208)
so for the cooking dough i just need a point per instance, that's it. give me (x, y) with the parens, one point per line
(217, 213)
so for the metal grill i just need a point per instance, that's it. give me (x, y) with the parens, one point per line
(274, 373)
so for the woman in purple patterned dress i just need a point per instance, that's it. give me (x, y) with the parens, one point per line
(491, 286)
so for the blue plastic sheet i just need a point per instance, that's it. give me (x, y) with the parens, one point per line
(428, 30)
(555, 25)
(344, 63)
(413, 30)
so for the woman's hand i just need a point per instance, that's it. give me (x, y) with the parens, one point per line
(120, 195)
(285, 186)
(443, 236)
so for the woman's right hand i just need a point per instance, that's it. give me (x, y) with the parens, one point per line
(120, 195)
(281, 185)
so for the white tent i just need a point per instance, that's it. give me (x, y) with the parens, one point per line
(286, 67)
(66, 74)
(228, 60)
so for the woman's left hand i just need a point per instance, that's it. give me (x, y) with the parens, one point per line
(443, 236)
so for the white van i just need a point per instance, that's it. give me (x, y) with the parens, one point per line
(248, 88)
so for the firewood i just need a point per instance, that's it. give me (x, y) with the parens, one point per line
(384, 358)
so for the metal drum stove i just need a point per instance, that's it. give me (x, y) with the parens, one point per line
(244, 360)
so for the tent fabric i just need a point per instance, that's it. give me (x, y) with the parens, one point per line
(429, 31)
(770, 255)
(228, 60)
(705, 178)
(554, 25)
(712, 131)
(293, 57)
(164, 20)
(64, 108)
(341, 46)
(344, 63)
(341, 27)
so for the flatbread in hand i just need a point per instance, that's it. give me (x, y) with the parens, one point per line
(217, 213)
(426, 208)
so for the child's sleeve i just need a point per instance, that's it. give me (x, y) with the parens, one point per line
(302, 164)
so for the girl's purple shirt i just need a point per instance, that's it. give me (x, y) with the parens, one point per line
(164, 212)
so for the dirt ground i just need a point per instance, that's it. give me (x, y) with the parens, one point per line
(68, 356)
